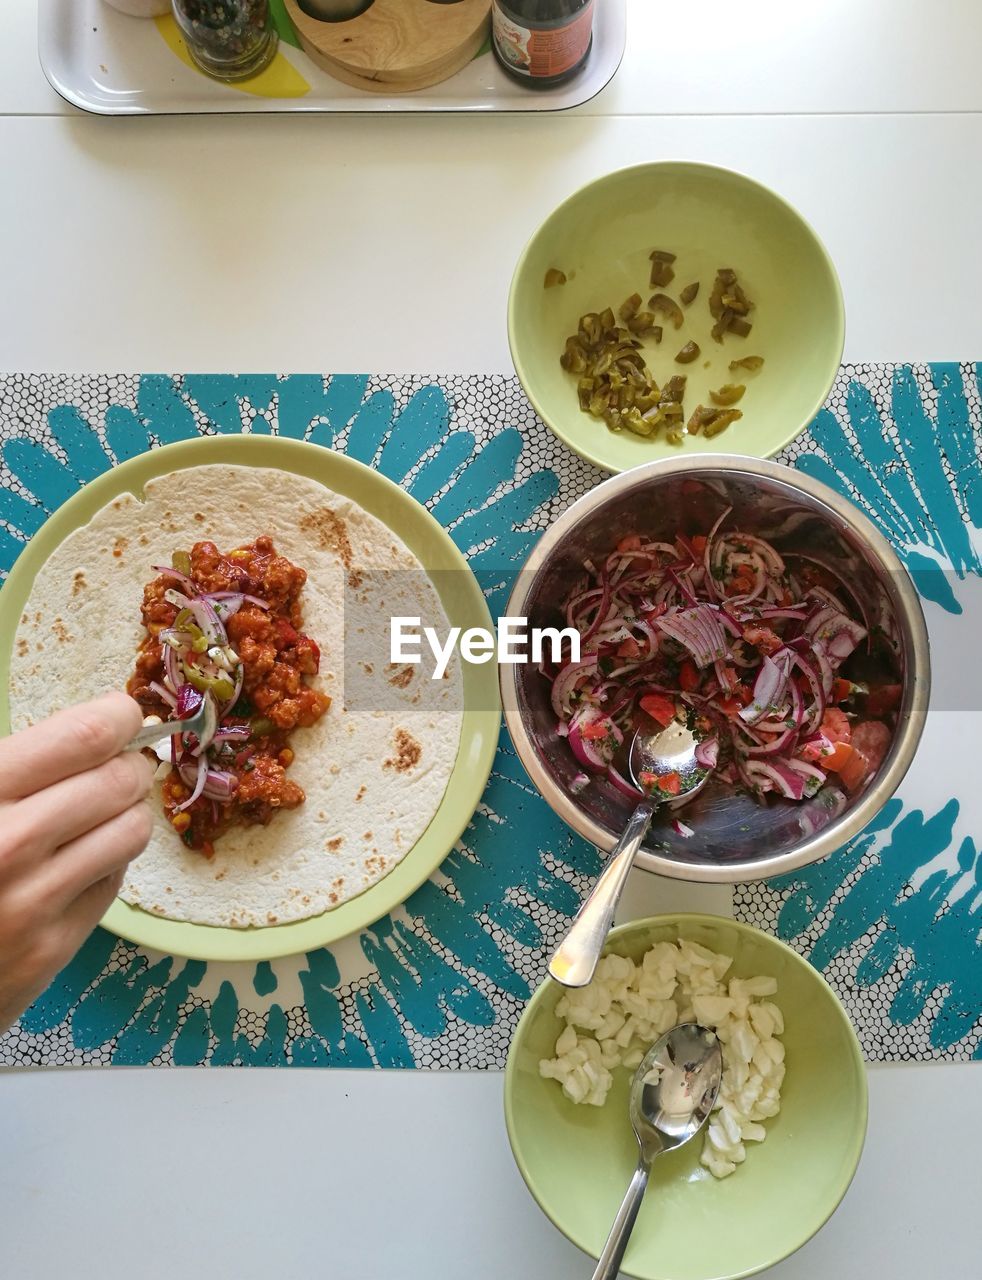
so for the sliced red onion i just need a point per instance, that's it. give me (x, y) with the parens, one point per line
(189, 700)
(566, 682)
(220, 785)
(232, 733)
(187, 583)
(622, 784)
(240, 596)
(769, 687)
(681, 829)
(172, 668)
(209, 621)
(199, 783)
(207, 735)
(809, 771)
(699, 630)
(165, 695)
(579, 783)
(783, 742)
(707, 753)
(784, 781)
(594, 753)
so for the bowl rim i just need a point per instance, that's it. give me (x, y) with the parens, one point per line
(668, 166)
(910, 615)
(700, 919)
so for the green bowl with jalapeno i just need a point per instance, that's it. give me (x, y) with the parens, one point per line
(595, 250)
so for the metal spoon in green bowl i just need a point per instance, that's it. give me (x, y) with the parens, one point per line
(671, 752)
(672, 1094)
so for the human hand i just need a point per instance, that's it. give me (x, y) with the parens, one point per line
(72, 816)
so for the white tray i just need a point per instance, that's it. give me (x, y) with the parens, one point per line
(104, 62)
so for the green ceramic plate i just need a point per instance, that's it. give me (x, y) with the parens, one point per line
(462, 600)
(578, 1160)
(602, 236)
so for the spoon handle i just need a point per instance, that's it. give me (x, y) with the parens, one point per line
(576, 956)
(609, 1263)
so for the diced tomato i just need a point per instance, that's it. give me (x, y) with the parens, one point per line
(730, 706)
(670, 783)
(803, 683)
(839, 758)
(835, 725)
(659, 706)
(841, 690)
(629, 648)
(744, 695)
(741, 584)
(631, 543)
(872, 738)
(594, 730)
(763, 638)
(786, 598)
(884, 699)
(689, 676)
(855, 771)
(704, 724)
(698, 542)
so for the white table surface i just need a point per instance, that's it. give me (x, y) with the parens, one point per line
(115, 257)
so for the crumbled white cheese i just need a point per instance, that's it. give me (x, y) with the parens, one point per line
(614, 1021)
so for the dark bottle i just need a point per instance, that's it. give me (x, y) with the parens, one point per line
(542, 43)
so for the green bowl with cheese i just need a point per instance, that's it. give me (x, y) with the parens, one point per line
(577, 1160)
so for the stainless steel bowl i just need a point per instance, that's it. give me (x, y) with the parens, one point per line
(735, 837)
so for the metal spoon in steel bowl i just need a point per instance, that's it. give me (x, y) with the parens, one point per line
(669, 751)
(672, 1094)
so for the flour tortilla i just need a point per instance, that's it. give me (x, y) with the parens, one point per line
(374, 768)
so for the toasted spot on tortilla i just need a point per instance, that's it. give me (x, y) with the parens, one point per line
(332, 898)
(367, 835)
(117, 505)
(361, 792)
(331, 534)
(368, 668)
(23, 648)
(270, 918)
(198, 516)
(119, 546)
(78, 582)
(62, 634)
(23, 618)
(335, 844)
(408, 752)
(144, 540)
(37, 617)
(400, 678)
(338, 883)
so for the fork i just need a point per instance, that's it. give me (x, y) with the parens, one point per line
(152, 733)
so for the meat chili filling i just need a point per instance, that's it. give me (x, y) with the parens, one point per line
(224, 632)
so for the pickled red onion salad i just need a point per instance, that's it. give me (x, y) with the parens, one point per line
(742, 644)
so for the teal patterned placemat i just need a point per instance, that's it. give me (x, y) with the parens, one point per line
(892, 919)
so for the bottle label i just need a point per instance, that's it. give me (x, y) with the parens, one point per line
(541, 53)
